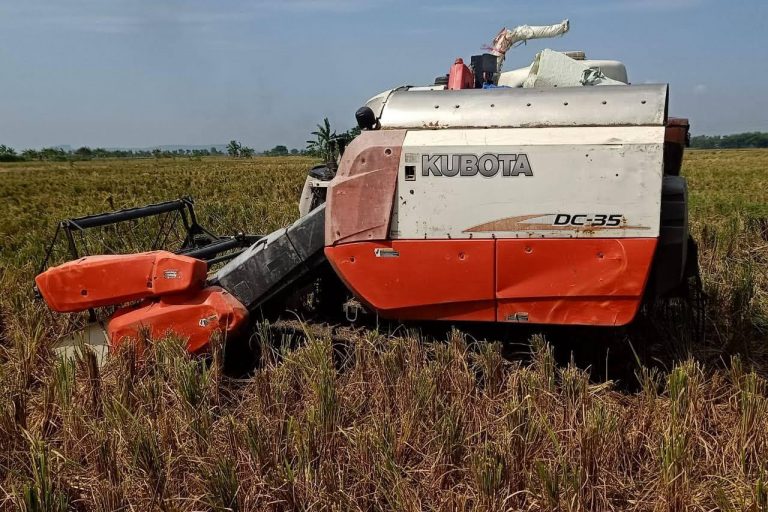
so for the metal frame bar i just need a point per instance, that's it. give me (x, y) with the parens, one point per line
(209, 250)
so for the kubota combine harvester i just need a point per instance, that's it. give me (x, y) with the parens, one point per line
(548, 194)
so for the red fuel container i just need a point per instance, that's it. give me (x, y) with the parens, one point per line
(460, 76)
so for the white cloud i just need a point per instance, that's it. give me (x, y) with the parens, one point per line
(116, 18)
(538, 9)
(461, 8)
(638, 5)
(323, 5)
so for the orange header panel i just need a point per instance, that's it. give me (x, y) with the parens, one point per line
(95, 281)
(195, 316)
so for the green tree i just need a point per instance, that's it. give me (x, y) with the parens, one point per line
(54, 154)
(85, 152)
(343, 139)
(278, 150)
(233, 148)
(329, 145)
(246, 152)
(8, 154)
(31, 154)
(324, 143)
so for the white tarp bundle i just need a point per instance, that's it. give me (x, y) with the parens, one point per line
(506, 39)
(555, 69)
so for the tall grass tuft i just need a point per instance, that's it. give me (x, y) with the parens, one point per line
(42, 493)
(223, 486)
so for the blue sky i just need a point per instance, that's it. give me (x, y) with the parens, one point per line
(150, 72)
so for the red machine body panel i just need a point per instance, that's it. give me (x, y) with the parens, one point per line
(546, 281)
(195, 316)
(96, 281)
(420, 279)
(579, 281)
(360, 197)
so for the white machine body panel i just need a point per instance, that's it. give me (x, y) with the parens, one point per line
(563, 182)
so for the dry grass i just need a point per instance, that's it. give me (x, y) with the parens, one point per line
(379, 421)
(729, 218)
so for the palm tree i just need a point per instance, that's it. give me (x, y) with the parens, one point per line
(324, 144)
(328, 144)
(233, 148)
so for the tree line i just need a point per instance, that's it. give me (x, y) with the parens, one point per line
(326, 145)
(8, 154)
(735, 141)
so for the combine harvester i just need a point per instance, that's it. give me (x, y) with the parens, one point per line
(548, 194)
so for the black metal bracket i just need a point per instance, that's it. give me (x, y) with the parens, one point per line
(198, 242)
